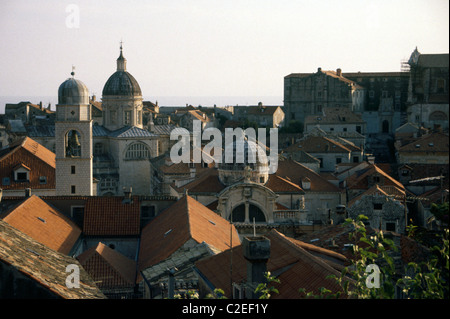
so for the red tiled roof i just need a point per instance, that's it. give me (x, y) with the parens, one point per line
(110, 216)
(292, 262)
(44, 224)
(107, 267)
(296, 172)
(318, 144)
(281, 185)
(186, 219)
(359, 180)
(39, 160)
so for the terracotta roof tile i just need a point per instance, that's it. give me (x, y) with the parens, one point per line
(281, 185)
(186, 219)
(359, 180)
(318, 144)
(44, 224)
(43, 265)
(111, 216)
(108, 268)
(36, 158)
(296, 172)
(290, 261)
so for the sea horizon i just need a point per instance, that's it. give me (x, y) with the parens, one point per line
(204, 101)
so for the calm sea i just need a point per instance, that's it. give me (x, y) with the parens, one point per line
(162, 100)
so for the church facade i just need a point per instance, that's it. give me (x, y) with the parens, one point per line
(112, 158)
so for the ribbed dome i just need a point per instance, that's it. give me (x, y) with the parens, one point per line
(73, 91)
(121, 83)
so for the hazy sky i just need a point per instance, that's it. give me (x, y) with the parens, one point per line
(209, 47)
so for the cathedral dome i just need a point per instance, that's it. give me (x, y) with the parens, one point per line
(73, 91)
(121, 82)
(243, 163)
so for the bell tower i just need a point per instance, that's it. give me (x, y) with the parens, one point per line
(73, 133)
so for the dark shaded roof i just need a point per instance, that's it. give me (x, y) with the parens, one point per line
(73, 91)
(121, 83)
(43, 265)
(108, 267)
(294, 263)
(131, 131)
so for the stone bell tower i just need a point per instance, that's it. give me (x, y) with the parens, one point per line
(73, 133)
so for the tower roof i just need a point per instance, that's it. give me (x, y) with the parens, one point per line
(121, 82)
(73, 91)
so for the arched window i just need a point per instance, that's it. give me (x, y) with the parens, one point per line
(137, 151)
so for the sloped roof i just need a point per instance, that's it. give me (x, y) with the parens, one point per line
(296, 172)
(111, 216)
(435, 142)
(109, 268)
(43, 265)
(32, 147)
(295, 264)
(335, 115)
(388, 191)
(359, 180)
(279, 184)
(44, 224)
(184, 220)
(318, 144)
(131, 131)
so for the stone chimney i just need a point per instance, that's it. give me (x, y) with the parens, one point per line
(257, 253)
(339, 72)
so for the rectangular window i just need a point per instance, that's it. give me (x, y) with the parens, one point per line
(338, 160)
(377, 206)
(390, 227)
(43, 180)
(139, 116)
(72, 169)
(73, 189)
(113, 117)
(6, 181)
(355, 159)
(358, 129)
(22, 176)
(127, 118)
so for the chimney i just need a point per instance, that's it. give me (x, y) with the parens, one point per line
(339, 72)
(371, 159)
(257, 253)
(27, 192)
(319, 70)
(94, 98)
(40, 105)
(127, 195)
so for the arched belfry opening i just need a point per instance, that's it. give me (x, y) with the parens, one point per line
(73, 144)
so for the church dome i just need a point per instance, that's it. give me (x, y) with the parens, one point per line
(73, 91)
(121, 82)
(241, 161)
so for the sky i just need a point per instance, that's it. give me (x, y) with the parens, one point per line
(209, 47)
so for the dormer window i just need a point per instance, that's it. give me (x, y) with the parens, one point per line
(22, 173)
